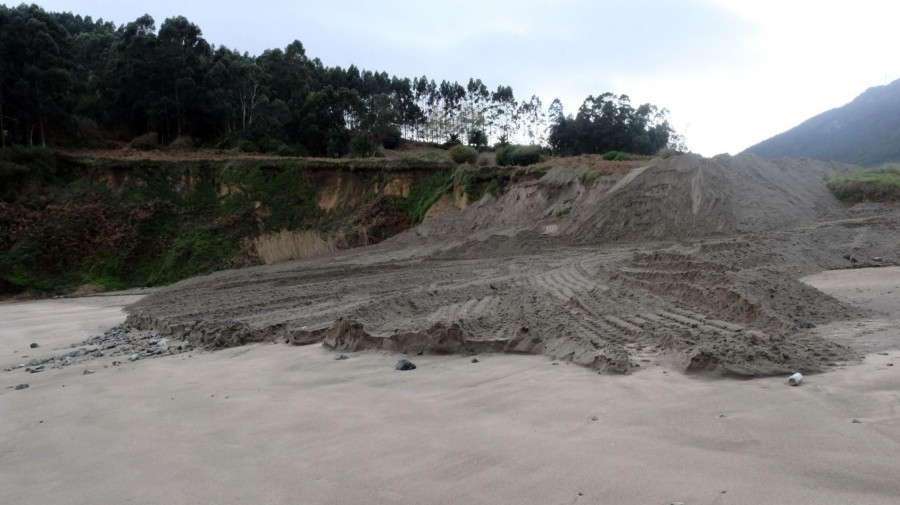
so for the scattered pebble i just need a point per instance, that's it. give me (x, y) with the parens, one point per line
(594, 418)
(34, 345)
(856, 421)
(474, 360)
(134, 357)
(404, 365)
(22, 386)
(340, 357)
(87, 372)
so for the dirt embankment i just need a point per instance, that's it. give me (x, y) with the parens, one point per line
(687, 260)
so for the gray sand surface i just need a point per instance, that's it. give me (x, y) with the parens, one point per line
(269, 423)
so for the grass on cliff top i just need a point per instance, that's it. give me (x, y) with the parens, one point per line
(880, 184)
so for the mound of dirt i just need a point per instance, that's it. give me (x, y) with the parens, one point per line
(687, 260)
(692, 196)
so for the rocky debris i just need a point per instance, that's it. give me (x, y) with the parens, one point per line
(404, 365)
(874, 262)
(87, 372)
(340, 357)
(22, 386)
(34, 345)
(474, 360)
(120, 340)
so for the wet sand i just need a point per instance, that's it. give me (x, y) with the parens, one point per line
(269, 423)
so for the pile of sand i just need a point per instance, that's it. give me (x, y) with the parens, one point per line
(692, 196)
(707, 277)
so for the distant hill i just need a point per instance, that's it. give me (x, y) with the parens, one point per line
(865, 132)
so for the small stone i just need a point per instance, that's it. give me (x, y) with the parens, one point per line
(22, 386)
(35, 369)
(341, 357)
(404, 365)
(856, 421)
(134, 357)
(594, 418)
(475, 360)
(87, 372)
(34, 345)
(97, 354)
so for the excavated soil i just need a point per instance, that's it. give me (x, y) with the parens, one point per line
(686, 260)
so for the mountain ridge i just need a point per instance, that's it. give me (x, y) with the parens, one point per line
(865, 132)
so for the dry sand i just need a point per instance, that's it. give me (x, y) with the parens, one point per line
(281, 424)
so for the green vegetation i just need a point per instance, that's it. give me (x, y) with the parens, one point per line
(516, 155)
(616, 156)
(609, 123)
(463, 154)
(424, 193)
(76, 82)
(479, 181)
(588, 178)
(70, 80)
(65, 222)
(880, 184)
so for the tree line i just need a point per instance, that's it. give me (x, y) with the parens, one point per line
(68, 79)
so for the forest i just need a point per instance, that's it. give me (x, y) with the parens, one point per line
(68, 80)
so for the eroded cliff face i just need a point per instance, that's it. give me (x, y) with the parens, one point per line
(135, 222)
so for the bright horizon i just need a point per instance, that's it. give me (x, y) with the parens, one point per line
(731, 73)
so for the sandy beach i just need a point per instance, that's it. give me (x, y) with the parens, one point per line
(270, 423)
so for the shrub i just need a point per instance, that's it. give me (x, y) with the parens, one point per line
(247, 146)
(616, 156)
(487, 159)
(590, 176)
(518, 155)
(285, 150)
(880, 184)
(146, 142)
(463, 154)
(182, 142)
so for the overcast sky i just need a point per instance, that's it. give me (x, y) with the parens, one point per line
(732, 72)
